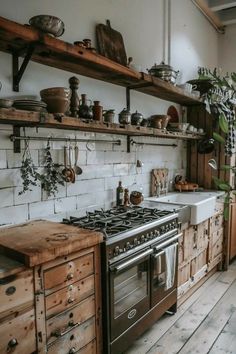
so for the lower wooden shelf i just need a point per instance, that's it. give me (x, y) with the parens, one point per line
(30, 118)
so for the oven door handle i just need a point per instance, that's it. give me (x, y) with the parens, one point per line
(132, 261)
(156, 255)
(166, 243)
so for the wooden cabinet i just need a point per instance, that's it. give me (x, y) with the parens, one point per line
(54, 304)
(69, 306)
(17, 315)
(200, 250)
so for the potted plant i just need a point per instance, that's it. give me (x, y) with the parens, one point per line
(220, 101)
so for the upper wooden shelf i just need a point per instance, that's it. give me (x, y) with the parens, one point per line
(35, 119)
(17, 39)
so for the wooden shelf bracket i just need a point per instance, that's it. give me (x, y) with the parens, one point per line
(19, 71)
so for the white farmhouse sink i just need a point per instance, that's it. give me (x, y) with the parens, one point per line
(202, 204)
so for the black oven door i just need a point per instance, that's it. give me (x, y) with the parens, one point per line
(164, 269)
(129, 285)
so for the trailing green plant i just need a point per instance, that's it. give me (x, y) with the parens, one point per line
(51, 176)
(220, 101)
(28, 171)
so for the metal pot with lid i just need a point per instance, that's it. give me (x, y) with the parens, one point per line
(124, 116)
(164, 72)
(136, 118)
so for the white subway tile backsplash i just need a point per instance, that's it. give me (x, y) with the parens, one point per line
(3, 159)
(103, 167)
(15, 160)
(65, 204)
(13, 215)
(6, 197)
(28, 197)
(41, 209)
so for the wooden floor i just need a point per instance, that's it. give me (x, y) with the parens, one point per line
(204, 323)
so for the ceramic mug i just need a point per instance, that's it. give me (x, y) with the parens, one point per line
(191, 128)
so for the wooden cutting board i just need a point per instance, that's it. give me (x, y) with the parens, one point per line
(110, 43)
(158, 175)
(41, 241)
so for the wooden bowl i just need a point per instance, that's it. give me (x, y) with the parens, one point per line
(57, 104)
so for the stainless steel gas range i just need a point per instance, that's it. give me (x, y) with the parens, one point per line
(139, 269)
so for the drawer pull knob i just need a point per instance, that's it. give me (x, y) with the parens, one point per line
(70, 300)
(72, 350)
(12, 343)
(70, 276)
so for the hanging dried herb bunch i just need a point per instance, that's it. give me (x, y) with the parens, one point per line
(28, 171)
(51, 176)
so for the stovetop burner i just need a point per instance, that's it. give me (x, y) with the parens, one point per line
(117, 220)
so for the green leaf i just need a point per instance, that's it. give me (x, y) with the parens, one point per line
(224, 187)
(223, 123)
(218, 138)
(217, 181)
(226, 167)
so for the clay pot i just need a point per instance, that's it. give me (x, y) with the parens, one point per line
(55, 91)
(57, 104)
(136, 197)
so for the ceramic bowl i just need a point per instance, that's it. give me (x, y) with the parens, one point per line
(48, 24)
(57, 104)
(55, 91)
(5, 103)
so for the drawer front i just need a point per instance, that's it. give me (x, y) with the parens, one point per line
(183, 274)
(67, 297)
(69, 272)
(89, 348)
(75, 339)
(65, 321)
(198, 262)
(15, 292)
(18, 335)
(217, 222)
(217, 248)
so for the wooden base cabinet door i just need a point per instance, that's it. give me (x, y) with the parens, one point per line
(18, 334)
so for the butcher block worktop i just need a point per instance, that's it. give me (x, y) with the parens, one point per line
(41, 241)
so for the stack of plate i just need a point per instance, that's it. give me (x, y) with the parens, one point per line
(30, 105)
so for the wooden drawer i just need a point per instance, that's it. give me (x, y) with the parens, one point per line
(198, 262)
(216, 222)
(21, 331)
(74, 340)
(65, 321)
(16, 293)
(67, 297)
(69, 272)
(217, 248)
(183, 274)
(89, 348)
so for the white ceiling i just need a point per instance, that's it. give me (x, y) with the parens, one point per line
(225, 10)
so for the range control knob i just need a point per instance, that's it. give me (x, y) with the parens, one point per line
(151, 235)
(135, 241)
(117, 251)
(128, 246)
(157, 233)
(142, 239)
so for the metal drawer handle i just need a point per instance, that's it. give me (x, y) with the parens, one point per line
(72, 350)
(12, 343)
(70, 276)
(70, 300)
(131, 261)
(57, 333)
(168, 242)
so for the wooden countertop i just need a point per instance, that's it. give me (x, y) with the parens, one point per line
(41, 241)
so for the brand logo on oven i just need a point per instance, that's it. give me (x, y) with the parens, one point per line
(132, 313)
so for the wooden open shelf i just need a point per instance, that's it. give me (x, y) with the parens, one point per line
(35, 119)
(20, 40)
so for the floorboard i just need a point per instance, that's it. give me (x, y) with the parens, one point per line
(204, 323)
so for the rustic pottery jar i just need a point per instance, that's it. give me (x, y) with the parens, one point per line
(97, 111)
(85, 111)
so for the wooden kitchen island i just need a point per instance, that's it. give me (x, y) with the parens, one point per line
(50, 289)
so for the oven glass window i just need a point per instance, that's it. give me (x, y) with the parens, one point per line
(130, 287)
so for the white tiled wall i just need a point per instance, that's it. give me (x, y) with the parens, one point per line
(103, 164)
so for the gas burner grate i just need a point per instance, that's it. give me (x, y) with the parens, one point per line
(117, 220)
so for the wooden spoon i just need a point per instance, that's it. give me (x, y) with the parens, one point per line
(66, 171)
(70, 166)
(78, 170)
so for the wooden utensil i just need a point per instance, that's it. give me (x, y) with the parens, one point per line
(78, 170)
(70, 165)
(67, 172)
(110, 43)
